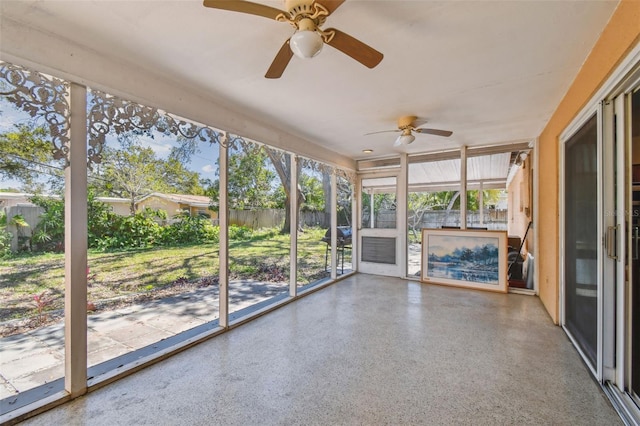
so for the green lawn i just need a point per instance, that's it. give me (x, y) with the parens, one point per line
(264, 257)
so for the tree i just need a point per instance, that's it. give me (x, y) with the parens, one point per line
(249, 181)
(135, 171)
(177, 179)
(282, 163)
(127, 173)
(344, 199)
(314, 193)
(26, 156)
(418, 204)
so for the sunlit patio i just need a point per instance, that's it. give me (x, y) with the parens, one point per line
(366, 350)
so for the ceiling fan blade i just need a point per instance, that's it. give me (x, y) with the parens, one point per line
(331, 5)
(383, 131)
(244, 7)
(445, 133)
(280, 62)
(359, 51)
(419, 122)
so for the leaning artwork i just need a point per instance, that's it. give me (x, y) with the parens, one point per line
(465, 258)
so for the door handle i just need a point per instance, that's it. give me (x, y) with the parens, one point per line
(635, 237)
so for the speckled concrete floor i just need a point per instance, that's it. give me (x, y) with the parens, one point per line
(368, 350)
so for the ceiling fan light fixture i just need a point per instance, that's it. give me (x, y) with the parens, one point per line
(404, 139)
(306, 43)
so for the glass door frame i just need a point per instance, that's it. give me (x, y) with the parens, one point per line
(621, 306)
(566, 136)
(397, 269)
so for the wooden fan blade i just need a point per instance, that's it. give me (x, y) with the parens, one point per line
(280, 62)
(383, 131)
(359, 51)
(331, 5)
(244, 7)
(445, 133)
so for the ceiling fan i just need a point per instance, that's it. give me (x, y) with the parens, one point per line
(306, 16)
(407, 126)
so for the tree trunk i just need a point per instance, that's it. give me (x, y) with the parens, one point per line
(326, 187)
(282, 164)
(132, 204)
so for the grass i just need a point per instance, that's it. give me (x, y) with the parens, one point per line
(116, 274)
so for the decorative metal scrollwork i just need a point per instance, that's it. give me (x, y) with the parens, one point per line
(42, 97)
(316, 166)
(346, 175)
(109, 113)
(237, 143)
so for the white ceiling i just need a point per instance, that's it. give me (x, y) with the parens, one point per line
(490, 71)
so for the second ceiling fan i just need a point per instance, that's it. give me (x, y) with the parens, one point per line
(306, 16)
(407, 126)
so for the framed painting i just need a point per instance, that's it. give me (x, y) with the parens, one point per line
(465, 258)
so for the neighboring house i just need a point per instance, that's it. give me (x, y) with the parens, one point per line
(174, 204)
(120, 206)
(10, 199)
(171, 203)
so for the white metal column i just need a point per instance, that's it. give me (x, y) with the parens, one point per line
(293, 226)
(481, 203)
(75, 238)
(402, 190)
(334, 228)
(463, 187)
(355, 223)
(223, 222)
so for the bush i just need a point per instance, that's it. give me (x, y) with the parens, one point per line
(101, 221)
(5, 236)
(5, 243)
(191, 229)
(48, 235)
(128, 232)
(239, 233)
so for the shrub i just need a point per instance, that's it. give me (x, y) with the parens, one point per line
(239, 233)
(48, 235)
(128, 232)
(5, 236)
(191, 229)
(101, 220)
(5, 243)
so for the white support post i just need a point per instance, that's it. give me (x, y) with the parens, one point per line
(481, 203)
(402, 212)
(373, 213)
(293, 227)
(334, 228)
(75, 254)
(355, 223)
(223, 222)
(463, 187)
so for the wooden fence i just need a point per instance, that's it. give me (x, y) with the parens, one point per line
(271, 218)
(493, 219)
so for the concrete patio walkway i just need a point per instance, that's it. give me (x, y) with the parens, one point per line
(36, 357)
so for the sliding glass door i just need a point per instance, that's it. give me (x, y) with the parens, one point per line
(634, 241)
(581, 239)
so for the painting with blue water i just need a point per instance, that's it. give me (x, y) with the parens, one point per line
(464, 258)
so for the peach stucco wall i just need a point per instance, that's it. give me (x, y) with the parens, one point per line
(620, 35)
